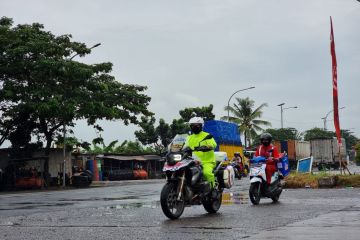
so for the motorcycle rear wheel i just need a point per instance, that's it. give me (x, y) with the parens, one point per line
(213, 205)
(170, 205)
(254, 193)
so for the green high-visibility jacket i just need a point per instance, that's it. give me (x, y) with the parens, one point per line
(193, 141)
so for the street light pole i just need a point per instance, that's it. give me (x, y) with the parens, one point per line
(281, 107)
(64, 130)
(228, 105)
(282, 112)
(325, 118)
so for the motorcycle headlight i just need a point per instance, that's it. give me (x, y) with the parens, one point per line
(173, 158)
(177, 157)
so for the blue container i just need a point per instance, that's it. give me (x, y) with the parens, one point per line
(223, 132)
(90, 165)
(283, 166)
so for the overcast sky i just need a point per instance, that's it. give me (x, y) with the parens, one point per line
(198, 52)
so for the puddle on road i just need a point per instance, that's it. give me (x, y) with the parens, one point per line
(134, 205)
(230, 198)
(99, 199)
(33, 205)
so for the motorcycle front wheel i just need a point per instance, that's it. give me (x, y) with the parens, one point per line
(212, 205)
(170, 205)
(275, 198)
(254, 193)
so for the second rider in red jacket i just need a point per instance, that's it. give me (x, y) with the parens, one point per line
(269, 151)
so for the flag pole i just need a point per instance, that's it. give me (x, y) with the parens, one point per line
(340, 161)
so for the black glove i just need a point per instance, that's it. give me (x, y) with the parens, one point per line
(203, 149)
(187, 150)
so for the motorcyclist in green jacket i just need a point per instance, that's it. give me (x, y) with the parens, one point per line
(196, 139)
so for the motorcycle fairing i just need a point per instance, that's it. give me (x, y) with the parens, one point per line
(177, 166)
(258, 170)
(274, 177)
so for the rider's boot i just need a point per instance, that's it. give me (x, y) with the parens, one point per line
(214, 193)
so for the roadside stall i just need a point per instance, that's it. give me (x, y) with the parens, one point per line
(127, 167)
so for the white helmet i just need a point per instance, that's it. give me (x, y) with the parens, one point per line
(196, 120)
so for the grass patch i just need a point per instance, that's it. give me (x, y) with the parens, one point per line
(348, 180)
(302, 180)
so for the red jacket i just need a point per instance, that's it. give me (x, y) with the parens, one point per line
(264, 151)
(270, 163)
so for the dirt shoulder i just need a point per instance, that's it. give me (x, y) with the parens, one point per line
(321, 180)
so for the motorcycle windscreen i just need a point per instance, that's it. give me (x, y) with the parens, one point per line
(177, 143)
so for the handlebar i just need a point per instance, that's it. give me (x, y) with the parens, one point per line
(258, 160)
(261, 159)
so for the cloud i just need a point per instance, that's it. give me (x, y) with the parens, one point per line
(198, 52)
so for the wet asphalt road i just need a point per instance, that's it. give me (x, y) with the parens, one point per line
(131, 211)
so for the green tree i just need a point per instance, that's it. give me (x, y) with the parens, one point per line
(126, 147)
(316, 133)
(285, 134)
(6, 125)
(160, 136)
(179, 126)
(205, 112)
(350, 139)
(357, 158)
(37, 73)
(133, 147)
(147, 135)
(164, 132)
(105, 148)
(247, 118)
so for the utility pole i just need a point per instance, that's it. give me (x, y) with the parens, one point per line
(281, 107)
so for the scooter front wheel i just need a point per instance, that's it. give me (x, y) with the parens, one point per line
(254, 193)
(170, 205)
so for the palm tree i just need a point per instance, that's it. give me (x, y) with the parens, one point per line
(247, 118)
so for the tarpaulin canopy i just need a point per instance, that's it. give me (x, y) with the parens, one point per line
(223, 132)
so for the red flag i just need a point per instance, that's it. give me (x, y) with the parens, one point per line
(335, 89)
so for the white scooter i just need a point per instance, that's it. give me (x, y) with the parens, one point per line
(259, 188)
